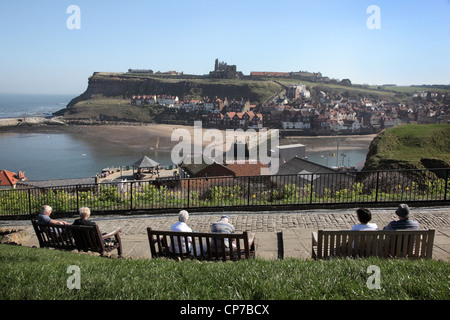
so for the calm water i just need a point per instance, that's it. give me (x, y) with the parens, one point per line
(31, 105)
(62, 156)
(45, 156)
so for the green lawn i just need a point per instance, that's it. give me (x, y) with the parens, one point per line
(36, 274)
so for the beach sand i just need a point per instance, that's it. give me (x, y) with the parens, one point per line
(330, 143)
(158, 137)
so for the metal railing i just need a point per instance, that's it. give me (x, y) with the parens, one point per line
(374, 187)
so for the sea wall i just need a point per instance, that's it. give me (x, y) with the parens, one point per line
(30, 121)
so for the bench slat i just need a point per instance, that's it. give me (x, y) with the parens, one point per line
(206, 246)
(388, 244)
(70, 237)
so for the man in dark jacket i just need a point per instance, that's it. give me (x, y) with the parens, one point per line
(85, 213)
(403, 222)
(223, 226)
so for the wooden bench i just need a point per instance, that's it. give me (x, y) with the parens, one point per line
(201, 246)
(412, 244)
(83, 238)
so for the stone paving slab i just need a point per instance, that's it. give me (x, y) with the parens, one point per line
(297, 243)
(278, 233)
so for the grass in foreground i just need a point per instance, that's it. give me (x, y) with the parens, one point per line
(35, 273)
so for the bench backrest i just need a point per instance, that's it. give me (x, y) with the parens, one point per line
(412, 244)
(202, 246)
(70, 237)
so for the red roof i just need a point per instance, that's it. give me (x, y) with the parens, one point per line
(8, 178)
(246, 169)
(230, 114)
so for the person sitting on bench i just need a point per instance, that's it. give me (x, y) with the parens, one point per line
(223, 226)
(85, 213)
(403, 222)
(182, 226)
(44, 216)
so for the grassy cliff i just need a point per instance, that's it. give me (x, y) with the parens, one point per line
(108, 94)
(412, 146)
(100, 108)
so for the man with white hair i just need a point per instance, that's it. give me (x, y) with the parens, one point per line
(181, 226)
(44, 216)
(223, 226)
(85, 213)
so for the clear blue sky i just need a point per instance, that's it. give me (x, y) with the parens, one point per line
(39, 54)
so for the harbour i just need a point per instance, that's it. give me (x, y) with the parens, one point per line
(67, 153)
(59, 152)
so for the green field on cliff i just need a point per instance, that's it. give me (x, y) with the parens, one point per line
(107, 97)
(99, 108)
(127, 84)
(411, 146)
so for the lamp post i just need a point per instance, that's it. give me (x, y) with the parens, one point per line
(326, 158)
(343, 158)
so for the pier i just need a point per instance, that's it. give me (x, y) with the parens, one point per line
(127, 174)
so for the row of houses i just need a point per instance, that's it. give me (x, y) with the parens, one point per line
(326, 120)
(164, 100)
(248, 119)
(205, 104)
(327, 116)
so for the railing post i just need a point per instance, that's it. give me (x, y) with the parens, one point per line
(311, 189)
(188, 180)
(29, 201)
(248, 191)
(131, 195)
(78, 198)
(376, 188)
(446, 184)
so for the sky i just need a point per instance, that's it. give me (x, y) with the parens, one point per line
(46, 47)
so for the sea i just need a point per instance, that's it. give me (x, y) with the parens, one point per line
(62, 155)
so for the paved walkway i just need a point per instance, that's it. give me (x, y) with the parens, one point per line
(279, 234)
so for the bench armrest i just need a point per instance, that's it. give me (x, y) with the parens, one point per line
(251, 238)
(111, 234)
(314, 238)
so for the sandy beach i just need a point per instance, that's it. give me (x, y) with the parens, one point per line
(159, 136)
(330, 143)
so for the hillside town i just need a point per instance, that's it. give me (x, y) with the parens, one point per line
(297, 112)
(297, 109)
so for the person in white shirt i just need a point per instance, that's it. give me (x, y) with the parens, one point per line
(364, 216)
(182, 226)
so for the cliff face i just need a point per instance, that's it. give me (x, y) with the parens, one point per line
(126, 85)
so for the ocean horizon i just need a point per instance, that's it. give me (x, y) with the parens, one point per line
(32, 105)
